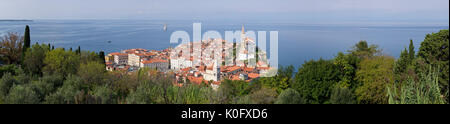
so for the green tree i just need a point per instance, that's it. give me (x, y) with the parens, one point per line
(88, 56)
(279, 82)
(283, 79)
(34, 59)
(142, 95)
(67, 93)
(22, 77)
(264, 95)
(374, 75)
(236, 88)
(346, 65)
(363, 50)
(435, 52)
(59, 61)
(290, 96)
(46, 85)
(341, 95)
(101, 55)
(404, 66)
(41, 89)
(286, 72)
(92, 72)
(401, 65)
(6, 83)
(26, 41)
(12, 68)
(411, 52)
(78, 51)
(315, 79)
(22, 95)
(104, 95)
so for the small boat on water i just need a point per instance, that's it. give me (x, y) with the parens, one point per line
(165, 27)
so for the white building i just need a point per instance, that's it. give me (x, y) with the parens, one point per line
(158, 64)
(134, 59)
(180, 63)
(212, 73)
(120, 58)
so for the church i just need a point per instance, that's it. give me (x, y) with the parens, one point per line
(246, 51)
(212, 73)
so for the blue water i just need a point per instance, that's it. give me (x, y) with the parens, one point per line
(297, 42)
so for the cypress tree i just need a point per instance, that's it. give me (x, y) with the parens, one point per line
(402, 62)
(26, 38)
(53, 47)
(78, 51)
(26, 42)
(401, 65)
(101, 54)
(49, 48)
(411, 51)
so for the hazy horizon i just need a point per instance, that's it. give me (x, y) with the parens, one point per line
(403, 12)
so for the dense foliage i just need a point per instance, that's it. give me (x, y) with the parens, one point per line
(315, 79)
(434, 51)
(424, 91)
(374, 74)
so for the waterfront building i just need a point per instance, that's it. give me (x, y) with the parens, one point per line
(120, 58)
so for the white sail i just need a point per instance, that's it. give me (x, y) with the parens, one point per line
(165, 27)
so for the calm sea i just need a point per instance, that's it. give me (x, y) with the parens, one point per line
(297, 42)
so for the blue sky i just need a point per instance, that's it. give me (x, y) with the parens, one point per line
(433, 12)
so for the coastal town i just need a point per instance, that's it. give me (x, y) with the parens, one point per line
(209, 61)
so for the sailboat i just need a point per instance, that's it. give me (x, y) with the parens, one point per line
(165, 27)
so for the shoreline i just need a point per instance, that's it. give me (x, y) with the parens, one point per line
(15, 20)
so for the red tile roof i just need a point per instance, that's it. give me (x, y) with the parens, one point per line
(135, 50)
(149, 54)
(263, 68)
(233, 68)
(253, 75)
(248, 69)
(223, 68)
(196, 80)
(186, 69)
(117, 53)
(235, 77)
(153, 61)
(216, 82)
